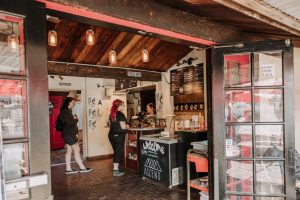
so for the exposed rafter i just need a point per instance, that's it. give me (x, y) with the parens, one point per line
(260, 10)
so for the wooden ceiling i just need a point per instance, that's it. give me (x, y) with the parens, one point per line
(222, 14)
(71, 47)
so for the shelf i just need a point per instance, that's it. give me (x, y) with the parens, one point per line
(131, 159)
(197, 185)
(200, 162)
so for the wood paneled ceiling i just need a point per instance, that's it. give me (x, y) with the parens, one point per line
(222, 14)
(71, 47)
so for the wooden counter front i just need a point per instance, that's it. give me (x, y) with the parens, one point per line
(131, 156)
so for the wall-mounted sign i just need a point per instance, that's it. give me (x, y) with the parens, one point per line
(134, 74)
(187, 80)
(121, 84)
(64, 84)
(268, 70)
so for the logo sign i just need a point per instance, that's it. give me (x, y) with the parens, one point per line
(134, 74)
(153, 147)
(64, 84)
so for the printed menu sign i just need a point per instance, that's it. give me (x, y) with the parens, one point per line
(187, 80)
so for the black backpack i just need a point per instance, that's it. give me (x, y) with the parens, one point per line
(59, 126)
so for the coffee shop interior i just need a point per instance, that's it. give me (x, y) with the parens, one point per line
(166, 86)
(157, 142)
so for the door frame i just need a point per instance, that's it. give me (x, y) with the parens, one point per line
(217, 108)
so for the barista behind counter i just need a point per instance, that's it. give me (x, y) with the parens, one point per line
(148, 118)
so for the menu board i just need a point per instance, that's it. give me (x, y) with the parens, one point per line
(124, 83)
(187, 80)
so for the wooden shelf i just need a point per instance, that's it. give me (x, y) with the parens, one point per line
(197, 185)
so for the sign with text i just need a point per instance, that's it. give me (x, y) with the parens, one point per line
(154, 160)
(134, 74)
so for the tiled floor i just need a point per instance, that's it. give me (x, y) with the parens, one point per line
(101, 185)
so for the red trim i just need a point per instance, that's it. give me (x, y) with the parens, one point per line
(122, 22)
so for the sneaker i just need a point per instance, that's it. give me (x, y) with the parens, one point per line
(71, 171)
(86, 170)
(118, 173)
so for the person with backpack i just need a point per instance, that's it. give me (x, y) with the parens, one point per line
(68, 124)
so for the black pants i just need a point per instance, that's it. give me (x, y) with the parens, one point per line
(117, 142)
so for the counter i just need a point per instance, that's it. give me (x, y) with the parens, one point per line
(131, 156)
(158, 159)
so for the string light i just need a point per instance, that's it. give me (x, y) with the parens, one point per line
(145, 55)
(12, 39)
(112, 57)
(90, 37)
(52, 38)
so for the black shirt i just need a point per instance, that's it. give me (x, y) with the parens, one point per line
(115, 127)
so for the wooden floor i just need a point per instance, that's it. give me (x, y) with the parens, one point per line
(101, 185)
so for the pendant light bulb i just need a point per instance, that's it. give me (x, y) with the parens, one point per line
(52, 38)
(90, 37)
(12, 39)
(112, 57)
(145, 55)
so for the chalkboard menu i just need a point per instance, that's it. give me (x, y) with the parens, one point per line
(187, 80)
(121, 84)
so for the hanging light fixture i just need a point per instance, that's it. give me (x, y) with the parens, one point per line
(52, 38)
(90, 37)
(12, 39)
(112, 57)
(145, 55)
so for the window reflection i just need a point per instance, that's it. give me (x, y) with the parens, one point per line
(11, 45)
(269, 141)
(270, 177)
(239, 141)
(238, 106)
(239, 176)
(268, 105)
(237, 70)
(12, 107)
(268, 69)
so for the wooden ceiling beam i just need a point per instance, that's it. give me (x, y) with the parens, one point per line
(153, 17)
(96, 71)
(260, 10)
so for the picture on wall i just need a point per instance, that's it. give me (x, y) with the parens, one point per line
(92, 124)
(92, 113)
(92, 101)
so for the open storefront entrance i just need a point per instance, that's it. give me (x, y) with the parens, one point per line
(250, 117)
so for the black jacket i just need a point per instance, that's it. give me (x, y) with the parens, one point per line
(70, 124)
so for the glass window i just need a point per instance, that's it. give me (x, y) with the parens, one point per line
(270, 177)
(237, 70)
(269, 141)
(11, 45)
(238, 106)
(13, 108)
(268, 69)
(239, 141)
(239, 176)
(15, 157)
(268, 105)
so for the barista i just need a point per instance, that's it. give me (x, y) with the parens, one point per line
(150, 109)
(150, 115)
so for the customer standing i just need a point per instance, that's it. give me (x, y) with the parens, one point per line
(116, 134)
(69, 136)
